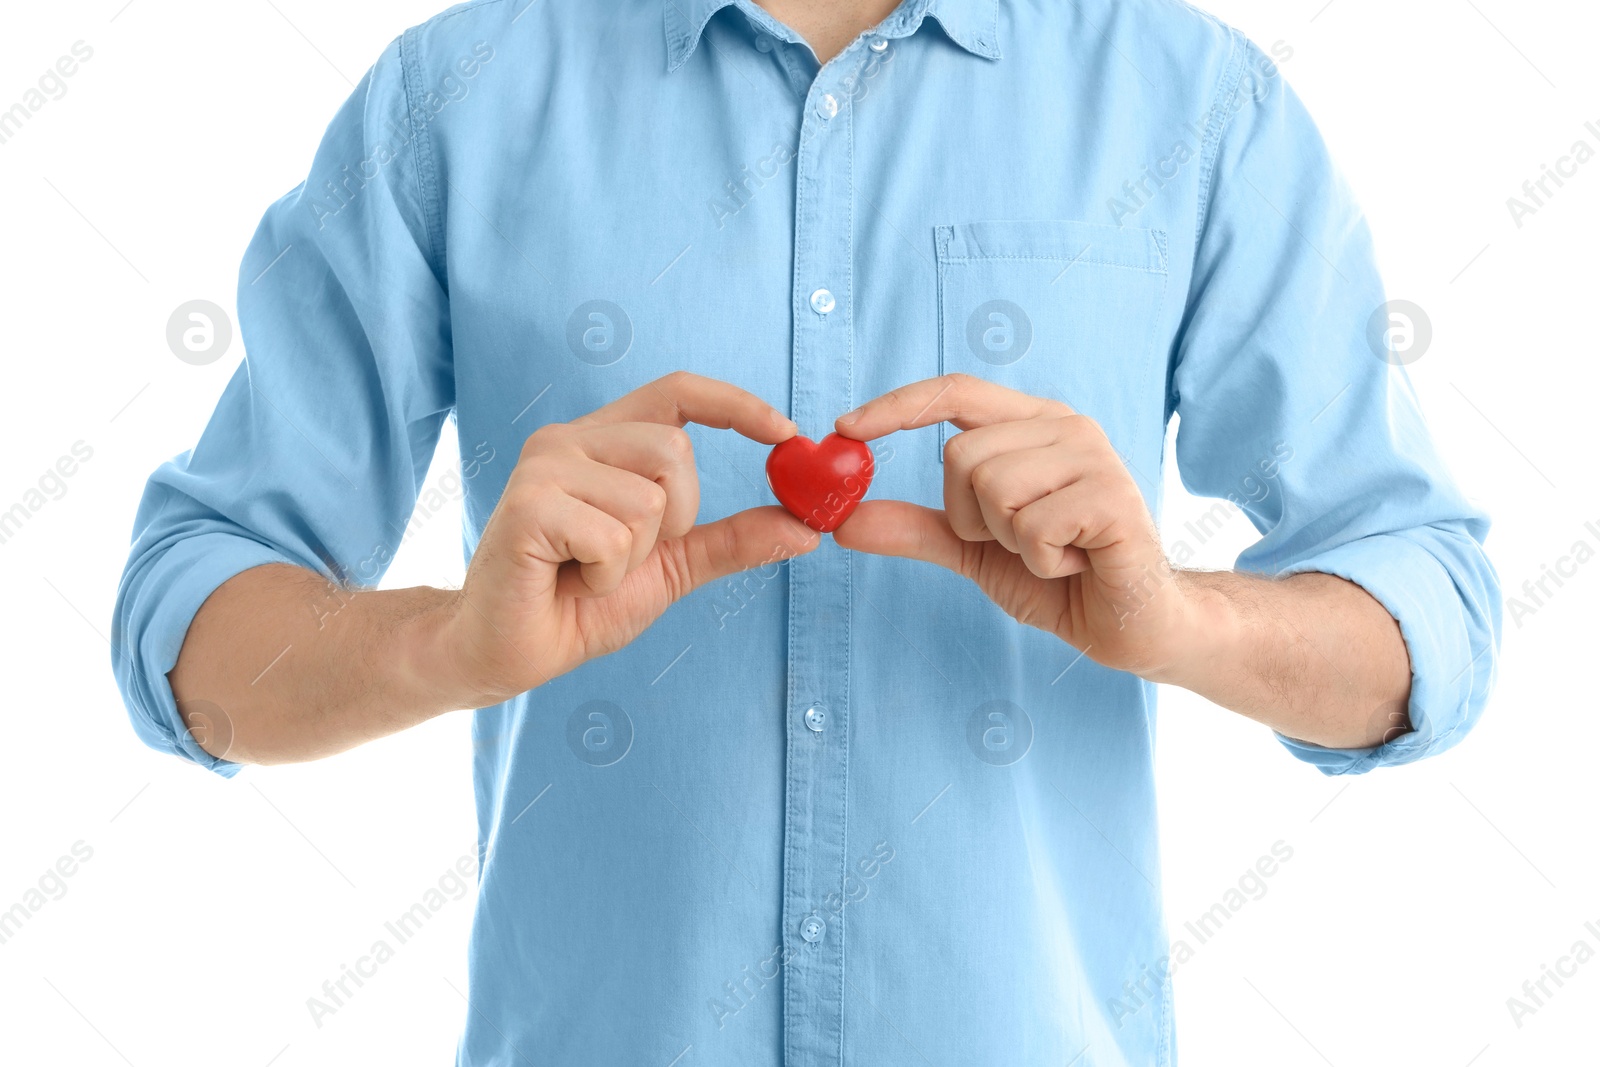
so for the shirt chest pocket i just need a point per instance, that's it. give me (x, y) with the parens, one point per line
(1058, 309)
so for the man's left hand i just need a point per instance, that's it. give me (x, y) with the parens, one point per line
(1040, 512)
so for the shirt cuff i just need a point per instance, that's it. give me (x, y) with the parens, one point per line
(154, 609)
(1446, 640)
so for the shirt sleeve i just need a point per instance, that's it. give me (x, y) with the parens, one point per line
(317, 447)
(1291, 406)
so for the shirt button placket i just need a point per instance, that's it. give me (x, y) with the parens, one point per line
(818, 709)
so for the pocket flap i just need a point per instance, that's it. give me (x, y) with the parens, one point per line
(1065, 241)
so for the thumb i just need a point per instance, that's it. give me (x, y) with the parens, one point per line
(740, 542)
(896, 528)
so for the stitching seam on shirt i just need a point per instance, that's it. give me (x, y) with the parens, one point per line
(1232, 74)
(422, 155)
(795, 858)
(1057, 259)
(1150, 356)
(849, 579)
(941, 243)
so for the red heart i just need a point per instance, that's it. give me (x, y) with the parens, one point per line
(820, 483)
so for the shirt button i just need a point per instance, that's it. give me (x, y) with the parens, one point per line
(878, 44)
(822, 302)
(816, 717)
(813, 928)
(828, 106)
(763, 44)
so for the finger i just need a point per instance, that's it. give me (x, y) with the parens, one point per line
(1005, 484)
(635, 501)
(966, 401)
(1045, 532)
(910, 531)
(681, 398)
(1055, 533)
(664, 454)
(967, 451)
(593, 545)
(895, 528)
(742, 541)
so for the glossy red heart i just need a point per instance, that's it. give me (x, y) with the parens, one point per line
(820, 482)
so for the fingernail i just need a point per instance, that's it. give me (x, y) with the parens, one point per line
(850, 416)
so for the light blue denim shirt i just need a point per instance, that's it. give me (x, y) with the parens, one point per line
(841, 810)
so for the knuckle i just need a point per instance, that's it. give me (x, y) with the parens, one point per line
(957, 450)
(553, 437)
(1085, 428)
(543, 438)
(987, 481)
(677, 444)
(614, 541)
(653, 500)
(528, 496)
(960, 391)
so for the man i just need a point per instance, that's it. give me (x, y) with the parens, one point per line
(891, 800)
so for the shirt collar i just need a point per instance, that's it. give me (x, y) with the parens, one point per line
(972, 24)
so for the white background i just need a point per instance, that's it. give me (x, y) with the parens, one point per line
(1416, 902)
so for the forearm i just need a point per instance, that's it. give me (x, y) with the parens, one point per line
(1313, 656)
(280, 665)
(594, 536)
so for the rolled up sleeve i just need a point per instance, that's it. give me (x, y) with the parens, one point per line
(1288, 408)
(316, 449)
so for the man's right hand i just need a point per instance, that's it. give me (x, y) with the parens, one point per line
(594, 537)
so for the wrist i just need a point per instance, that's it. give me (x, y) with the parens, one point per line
(433, 669)
(1204, 630)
